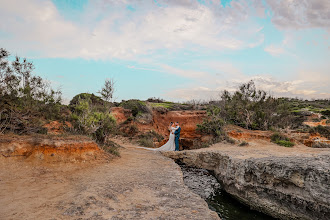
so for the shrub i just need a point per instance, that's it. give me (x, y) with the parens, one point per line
(25, 99)
(252, 108)
(146, 142)
(131, 130)
(136, 106)
(243, 143)
(88, 118)
(111, 148)
(326, 113)
(152, 135)
(285, 143)
(322, 130)
(281, 140)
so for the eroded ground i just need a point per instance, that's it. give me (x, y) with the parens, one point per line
(139, 185)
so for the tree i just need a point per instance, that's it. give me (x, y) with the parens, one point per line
(108, 90)
(25, 99)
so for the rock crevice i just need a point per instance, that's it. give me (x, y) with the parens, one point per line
(284, 187)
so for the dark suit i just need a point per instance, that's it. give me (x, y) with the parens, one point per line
(177, 137)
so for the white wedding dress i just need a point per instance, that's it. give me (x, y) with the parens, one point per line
(170, 144)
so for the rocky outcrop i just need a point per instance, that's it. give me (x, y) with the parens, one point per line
(160, 121)
(50, 149)
(286, 185)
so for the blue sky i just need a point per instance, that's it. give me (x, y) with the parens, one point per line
(174, 49)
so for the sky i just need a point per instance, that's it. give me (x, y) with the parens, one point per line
(178, 50)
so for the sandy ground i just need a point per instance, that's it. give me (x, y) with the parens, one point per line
(139, 185)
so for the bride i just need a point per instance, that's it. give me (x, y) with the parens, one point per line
(170, 144)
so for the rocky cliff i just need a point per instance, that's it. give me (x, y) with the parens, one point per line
(284, 183)
(50, 148)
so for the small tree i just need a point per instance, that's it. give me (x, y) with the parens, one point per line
(108, 90)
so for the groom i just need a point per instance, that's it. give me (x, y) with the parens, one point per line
(177, 136)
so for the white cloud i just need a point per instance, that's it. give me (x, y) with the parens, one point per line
(107, 29)
(274, 50)
(294, 14)
(304, 84)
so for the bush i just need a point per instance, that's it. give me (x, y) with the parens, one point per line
(285, 143)
(88, 118)
(326, 113)
(131, 130)
(252, 109)
(111, 148)
(282, 140)
(152, 135)
(322, 130)
(25, 99)
(136, 106)
(146, 142)
(243, 143)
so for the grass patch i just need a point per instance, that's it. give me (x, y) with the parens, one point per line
(167, 105)
(111, 148)
(243, 144)
(281, 140)
(146, 142)
(152, 135)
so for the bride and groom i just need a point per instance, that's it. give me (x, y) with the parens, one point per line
(173, 143)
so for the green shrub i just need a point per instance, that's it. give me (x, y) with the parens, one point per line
(88, 118)
(251, 108)
(243, 143)
(152, 135)
(281, 140)
(285, 143)
(25, 99)
(131, 130)
(111, 148)
(146, 142)
(136, 106)
(322, 130)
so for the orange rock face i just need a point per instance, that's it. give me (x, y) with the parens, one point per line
(244, 134)
(188, 121)
(120, 114)
(50, 149)
(160, 122)
(315, 124)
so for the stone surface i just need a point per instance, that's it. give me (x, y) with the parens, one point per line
(286, 183)
(141, 184)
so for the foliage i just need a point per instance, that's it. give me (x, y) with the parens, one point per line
(322, 130)
(96, 101)
(25, 99)
(243, 143)
(90, 119)
(131, 130)
(146, 142)
(250, 108)
(152, 135)
(136, 106)
(111, 147)
(282, 140)
(108, 90)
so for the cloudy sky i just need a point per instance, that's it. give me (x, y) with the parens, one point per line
(174, 49)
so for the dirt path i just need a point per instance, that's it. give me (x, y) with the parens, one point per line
(139, 185)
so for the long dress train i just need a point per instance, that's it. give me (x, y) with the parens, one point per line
(170, 144)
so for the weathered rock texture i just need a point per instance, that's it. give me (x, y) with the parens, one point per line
(284, 183)
(50, 149)
(141, 184)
